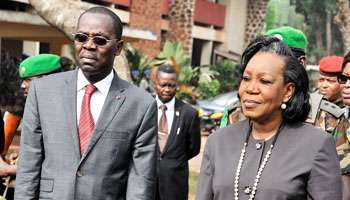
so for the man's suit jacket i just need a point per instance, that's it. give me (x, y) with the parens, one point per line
(183, 144)
(120, 160)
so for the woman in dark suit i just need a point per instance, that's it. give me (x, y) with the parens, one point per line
(272, 155)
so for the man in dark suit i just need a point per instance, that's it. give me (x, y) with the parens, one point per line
(86, 134)
(178, 137)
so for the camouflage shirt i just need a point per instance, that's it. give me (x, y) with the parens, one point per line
(340, 130)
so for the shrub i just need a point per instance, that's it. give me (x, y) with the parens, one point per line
(207, 89)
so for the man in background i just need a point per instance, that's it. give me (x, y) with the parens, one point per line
(178, 137)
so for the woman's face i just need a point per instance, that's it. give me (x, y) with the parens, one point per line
(346, 88)
(262, 90)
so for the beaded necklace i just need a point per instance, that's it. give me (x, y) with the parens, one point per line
(261, 167)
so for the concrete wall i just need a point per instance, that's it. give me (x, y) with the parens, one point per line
(31, 48)
(236, 14)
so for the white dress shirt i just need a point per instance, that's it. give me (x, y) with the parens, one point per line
(169, 112)
(98, 97)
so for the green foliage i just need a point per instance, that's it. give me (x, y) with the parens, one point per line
(207, 89)
(137, 62)
(271, 15)
(227, 74)
(310, 16)
(315, 54)
(187, 74)
(315, 14)
(282, 13)
(174, 52)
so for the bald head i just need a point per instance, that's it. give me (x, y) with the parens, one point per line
(117, 23)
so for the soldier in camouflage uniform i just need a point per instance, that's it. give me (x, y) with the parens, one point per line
(296, 40)
(343, 140)
(330, 115)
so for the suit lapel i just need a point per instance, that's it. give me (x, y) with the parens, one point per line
(114, 100)
(174, 126)
(70, 109)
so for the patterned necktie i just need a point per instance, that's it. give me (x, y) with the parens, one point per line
(163, 123)
(163, 128)
(86, 122)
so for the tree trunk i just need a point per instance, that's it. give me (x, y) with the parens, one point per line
(255, 19)
(319, 42)
(329, 33)
(181, 23)
(342, 19)
(63, 15)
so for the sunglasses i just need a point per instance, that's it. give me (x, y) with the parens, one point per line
(342, 79)
(97, 40)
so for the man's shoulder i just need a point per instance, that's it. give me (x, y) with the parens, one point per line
(135, 93)
(186, 106)
(56, 79)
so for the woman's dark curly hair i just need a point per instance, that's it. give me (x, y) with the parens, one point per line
(11, 95)
(298, 107)
(346, 60)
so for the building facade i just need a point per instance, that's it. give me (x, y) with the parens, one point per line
(206, 28)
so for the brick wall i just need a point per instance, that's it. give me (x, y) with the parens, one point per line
(146, 15)
(181, 14)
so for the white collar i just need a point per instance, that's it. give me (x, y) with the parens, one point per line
(102, 86)
(170, 104)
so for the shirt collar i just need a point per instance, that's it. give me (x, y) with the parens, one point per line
(170, 104)
(102, 86)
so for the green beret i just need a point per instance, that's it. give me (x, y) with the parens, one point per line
(39, 65)
(294, 38)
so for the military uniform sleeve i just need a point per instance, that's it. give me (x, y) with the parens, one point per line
(341, 136)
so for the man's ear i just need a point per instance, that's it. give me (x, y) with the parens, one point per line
(119, 47)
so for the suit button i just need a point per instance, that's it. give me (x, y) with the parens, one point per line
(258, 146)
(79, 173)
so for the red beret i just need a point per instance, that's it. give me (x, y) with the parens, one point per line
(331, 64)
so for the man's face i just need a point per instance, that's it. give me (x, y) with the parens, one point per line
(346, 85)
(302, 60)
(26, 84)
(165, 86)
(329, 87)
(96, 61)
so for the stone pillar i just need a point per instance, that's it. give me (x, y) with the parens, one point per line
(146, 15)
(31, 48)
(181, 19)
(234, 28)
(56, 48)
(206, 54)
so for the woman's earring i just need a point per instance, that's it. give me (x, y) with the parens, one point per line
(283, 106)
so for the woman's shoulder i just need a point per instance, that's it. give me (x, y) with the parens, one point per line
(308, 133)
(232, 132)
(305, 128)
